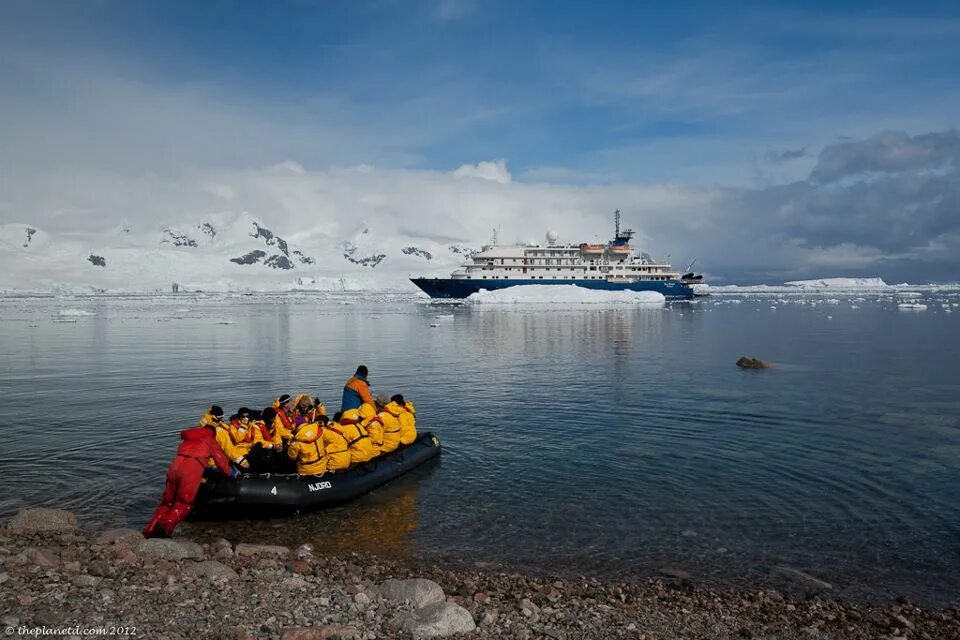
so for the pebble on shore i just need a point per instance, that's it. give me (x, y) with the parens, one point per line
(53, 576)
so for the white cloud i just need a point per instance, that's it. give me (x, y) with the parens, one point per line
(495, 170)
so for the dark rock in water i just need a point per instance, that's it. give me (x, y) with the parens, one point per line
(278, 261)
(673, 572)
(804, 578)
(753, 363)
(97, 261)
(251, 258)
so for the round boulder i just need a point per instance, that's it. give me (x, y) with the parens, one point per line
(437, 620)
(42, 520)
(418, 591)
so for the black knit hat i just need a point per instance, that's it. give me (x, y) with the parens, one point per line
(268, 414)
(398, 398)
(243, 411)
(284, 399)
(362, 371)
(216, 411)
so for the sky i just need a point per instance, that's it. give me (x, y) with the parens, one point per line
(768, 140)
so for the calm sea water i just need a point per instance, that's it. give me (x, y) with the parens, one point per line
(609, 441)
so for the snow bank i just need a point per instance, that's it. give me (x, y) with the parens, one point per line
(911, 306)
(74, 313)
(839, 283)
(563, 294)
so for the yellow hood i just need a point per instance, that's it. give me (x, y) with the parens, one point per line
(307, 433)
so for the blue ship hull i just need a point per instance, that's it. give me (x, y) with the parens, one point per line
(461, 288)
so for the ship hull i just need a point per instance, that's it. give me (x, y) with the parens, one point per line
(461, 288)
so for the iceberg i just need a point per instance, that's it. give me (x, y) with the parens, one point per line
(563, 294)
(839, 283)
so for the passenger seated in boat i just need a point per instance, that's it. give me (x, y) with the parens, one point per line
(391, 425)
(335, 445)
(241, 430)
(284, 424)
(214, 419)
(306, 449)
(361, 448)
(356, 391)
(306, 408)
(264, 455)
(373, 425)
(404, 412)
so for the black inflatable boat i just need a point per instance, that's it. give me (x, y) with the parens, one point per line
(250, 495)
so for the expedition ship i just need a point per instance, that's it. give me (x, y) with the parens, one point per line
(610, 267)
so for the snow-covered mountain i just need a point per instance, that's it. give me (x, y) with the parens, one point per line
(231, 251)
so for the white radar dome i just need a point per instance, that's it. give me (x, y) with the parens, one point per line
(552, 236)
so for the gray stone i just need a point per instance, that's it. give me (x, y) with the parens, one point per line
(166, 549)
(43, 558)
(83, 580)
(260, 550)
(362, 600)
(210, 569)
(418, 591)
(42, 520)
(120, 536)
(436, 620)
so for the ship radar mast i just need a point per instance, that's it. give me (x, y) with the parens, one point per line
(620, 238)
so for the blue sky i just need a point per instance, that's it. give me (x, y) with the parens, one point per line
(728, 95)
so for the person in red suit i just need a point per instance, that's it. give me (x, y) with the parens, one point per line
(183, 479)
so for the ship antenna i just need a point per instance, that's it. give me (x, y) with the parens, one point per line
(494, 236)
(616, 222)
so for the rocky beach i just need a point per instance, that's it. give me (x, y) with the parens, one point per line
(60, 578)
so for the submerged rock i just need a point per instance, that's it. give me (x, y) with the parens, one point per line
(418, 591)
(42, 520)
(803, 578)
(753, 363)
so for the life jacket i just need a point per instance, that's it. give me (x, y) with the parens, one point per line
(242, 434)
(372, 424)
(358, 440)
(408, 423)
(306, 448)
(283, 424)
(263, 435)
(391, 431)
(335, 446)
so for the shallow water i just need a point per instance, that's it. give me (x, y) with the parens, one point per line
(597, 440)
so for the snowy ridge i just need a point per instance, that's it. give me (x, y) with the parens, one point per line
(218, 252)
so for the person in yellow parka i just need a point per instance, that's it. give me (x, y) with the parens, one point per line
(404, 412)
(306, 449)
(374, 426)
(308, 408)
(242, 431)
(391, 426)
(214, 419)
(348, 425)
(284, 423)
(335, 446)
